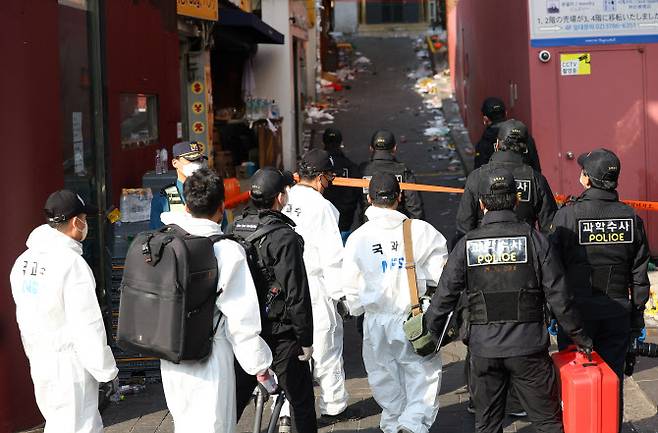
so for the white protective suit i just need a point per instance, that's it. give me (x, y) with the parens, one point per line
(316, 221)
(201, 395)
(62, 331)
(404, 384)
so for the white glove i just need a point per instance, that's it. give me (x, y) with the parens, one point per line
(268, 381)
(306, 356)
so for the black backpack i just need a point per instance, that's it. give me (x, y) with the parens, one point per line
(271, 297)
(168, 295)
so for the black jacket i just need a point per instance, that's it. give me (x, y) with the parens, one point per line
(539, 210)
(565, 239)
(385, 162)
(346, 199)
(501, 340)
(485, 148)
(282, 251)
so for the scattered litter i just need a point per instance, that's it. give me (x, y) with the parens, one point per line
(125, 390)
(437, 131)
(363, 60)
(317, 115)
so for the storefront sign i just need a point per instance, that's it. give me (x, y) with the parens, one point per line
(203, 9)
(197, 87)
(575, 64)
(197, 107)
(592, 22)
(198, 128)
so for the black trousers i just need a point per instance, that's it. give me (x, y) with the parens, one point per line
(513, 404)
(294, 377)
(611, 338)
(533, 379)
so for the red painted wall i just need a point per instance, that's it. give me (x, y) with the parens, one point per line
(141, 57)
(491, 50)
(30, 140)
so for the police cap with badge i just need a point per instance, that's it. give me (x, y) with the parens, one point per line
(383, 140)
(384, 186)
(497, 181)
(493, 108)
(190, 150)
(332, 138)
(602, 167)
(513, 135)
(317, 161)
(267, 183)
(63, 205)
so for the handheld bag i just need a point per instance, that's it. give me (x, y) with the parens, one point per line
(168, 295)
(590, 393)
(421, 339)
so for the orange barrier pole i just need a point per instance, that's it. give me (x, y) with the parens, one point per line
(405, 186)
(635, 204)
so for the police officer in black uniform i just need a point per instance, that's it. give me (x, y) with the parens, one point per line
(508, 271)
(345, 199)
(383, 148)
(536, 201)
(493, 113)
(284, 297)
(604, 249)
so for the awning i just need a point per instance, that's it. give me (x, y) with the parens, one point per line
(252, 28)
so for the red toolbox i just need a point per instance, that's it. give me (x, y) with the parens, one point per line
(590, 393)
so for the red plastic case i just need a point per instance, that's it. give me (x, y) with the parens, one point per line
(590, 393)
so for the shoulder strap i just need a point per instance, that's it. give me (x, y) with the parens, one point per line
(264, 231)
(410, 266)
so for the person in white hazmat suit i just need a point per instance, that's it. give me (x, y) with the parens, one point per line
(403, 383)
(316, 221)
(60, 320)
(201, 394)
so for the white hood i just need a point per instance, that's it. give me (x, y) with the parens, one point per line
(45, 238)
(385, 218)
(195, 226)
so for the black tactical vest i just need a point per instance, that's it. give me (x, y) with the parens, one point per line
(606, 231)
(389, 166)
(525, 185)
(501, 277)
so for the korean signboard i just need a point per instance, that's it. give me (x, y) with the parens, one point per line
(203, 9)
(592, 22)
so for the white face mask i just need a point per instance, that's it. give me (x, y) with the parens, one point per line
(84, 231)
(189, 169)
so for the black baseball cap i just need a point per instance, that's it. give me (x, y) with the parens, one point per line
(497, 181)
(318, 161)
(602, 166)
(383, 185)
(267, 183)
(382, 140)
(288, 178)
(63, 205)
(332, 137)
(190, 150)
(513, 131)
(493, 108)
